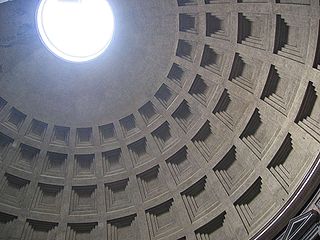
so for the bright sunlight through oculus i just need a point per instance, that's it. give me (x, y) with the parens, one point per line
(75, 30)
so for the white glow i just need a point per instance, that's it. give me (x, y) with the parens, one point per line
(75, 30)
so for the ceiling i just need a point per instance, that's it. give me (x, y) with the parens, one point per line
(199, 122)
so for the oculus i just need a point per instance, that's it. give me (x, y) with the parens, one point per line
(75, 30)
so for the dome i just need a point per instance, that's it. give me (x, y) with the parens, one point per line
(199, 120)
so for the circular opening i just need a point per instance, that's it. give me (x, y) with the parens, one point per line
(75, 30)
